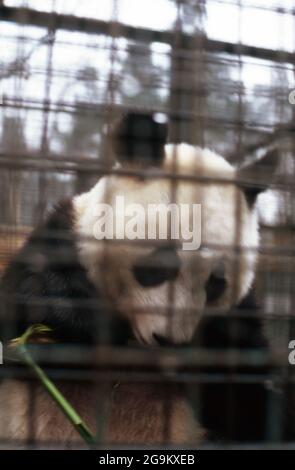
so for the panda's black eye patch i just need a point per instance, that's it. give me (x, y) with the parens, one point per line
(215, 287)
(160, 266)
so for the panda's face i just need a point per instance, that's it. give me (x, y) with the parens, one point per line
(161, 288)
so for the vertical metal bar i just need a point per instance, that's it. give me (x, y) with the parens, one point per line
(104, 321)
(238, 208)
(44, 146)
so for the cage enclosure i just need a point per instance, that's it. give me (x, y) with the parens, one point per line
(151, 343)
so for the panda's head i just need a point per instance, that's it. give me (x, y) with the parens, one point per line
(161, 288)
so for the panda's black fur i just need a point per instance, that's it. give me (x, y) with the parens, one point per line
(45, 283)
(233, 410)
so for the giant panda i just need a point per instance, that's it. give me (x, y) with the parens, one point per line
(155, 296)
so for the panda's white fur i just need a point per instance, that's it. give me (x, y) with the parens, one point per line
(135, 411)
(110, 266)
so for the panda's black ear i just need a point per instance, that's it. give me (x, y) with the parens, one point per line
(256, 175)
(140, 138)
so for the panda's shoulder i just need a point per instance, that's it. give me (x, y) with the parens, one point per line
(189, 158)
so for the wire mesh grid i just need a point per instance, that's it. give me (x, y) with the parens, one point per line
(68, 72)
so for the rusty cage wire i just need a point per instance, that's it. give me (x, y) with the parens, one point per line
(222, 73)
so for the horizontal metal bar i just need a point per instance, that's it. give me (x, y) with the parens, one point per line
(51, 162)
(56, 21)
(159, 359)
(100, 110)
(95, 374)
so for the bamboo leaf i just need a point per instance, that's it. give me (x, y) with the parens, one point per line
(57, 396)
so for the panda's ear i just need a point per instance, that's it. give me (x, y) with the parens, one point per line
(257, 174)
(139, 139)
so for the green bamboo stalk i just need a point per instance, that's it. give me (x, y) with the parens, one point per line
(49, 386)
